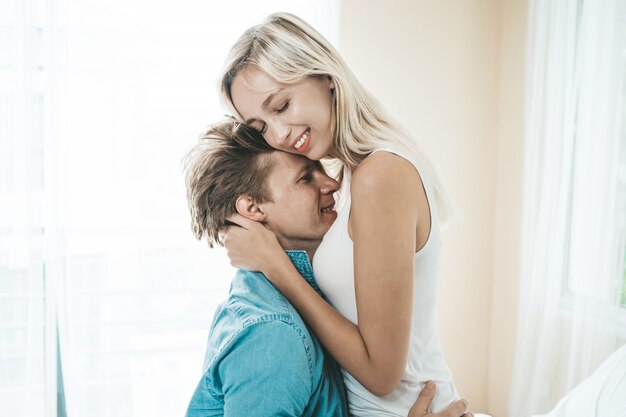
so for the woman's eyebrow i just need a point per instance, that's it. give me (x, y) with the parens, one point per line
(269, 98)
(266, 103)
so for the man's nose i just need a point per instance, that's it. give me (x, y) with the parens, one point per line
(329, 185)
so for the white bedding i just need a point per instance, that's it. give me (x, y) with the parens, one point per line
(603, 394)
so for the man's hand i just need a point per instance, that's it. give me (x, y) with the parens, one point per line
(422, 405)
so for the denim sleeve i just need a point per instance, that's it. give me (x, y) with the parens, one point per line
(266, 372)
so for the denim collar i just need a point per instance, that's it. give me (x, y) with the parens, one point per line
(300, 260)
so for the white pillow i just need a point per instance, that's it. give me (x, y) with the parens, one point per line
(603, 394)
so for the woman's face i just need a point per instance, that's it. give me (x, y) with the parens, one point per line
(293, 118)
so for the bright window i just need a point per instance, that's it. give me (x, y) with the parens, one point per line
(622, 177)
(99, 102)
(597, 189)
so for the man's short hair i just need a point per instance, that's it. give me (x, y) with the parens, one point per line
(230, 160)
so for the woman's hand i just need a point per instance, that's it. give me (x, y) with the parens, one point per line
(252, 246)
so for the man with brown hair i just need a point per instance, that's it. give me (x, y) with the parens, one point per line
(261, 357)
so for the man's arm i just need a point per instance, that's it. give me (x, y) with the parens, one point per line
(266, 372)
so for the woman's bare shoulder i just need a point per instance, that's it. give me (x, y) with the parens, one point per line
(384, 170)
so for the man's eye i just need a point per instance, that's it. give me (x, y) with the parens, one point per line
(307, 178)
(283, 107)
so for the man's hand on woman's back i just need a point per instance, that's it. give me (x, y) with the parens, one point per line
(422, 405)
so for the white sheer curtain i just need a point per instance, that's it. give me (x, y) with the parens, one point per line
(27, 372)
(100, 100)
(574, 198)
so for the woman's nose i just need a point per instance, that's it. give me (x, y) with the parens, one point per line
(280, 134)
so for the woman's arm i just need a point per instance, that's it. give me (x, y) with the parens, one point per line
(386, 192)
(383, 221)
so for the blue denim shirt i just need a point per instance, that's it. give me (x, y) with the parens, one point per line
(262, 360)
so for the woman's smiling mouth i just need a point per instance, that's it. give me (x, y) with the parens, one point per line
(302, 143)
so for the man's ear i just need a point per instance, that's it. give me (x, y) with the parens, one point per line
(249, 208)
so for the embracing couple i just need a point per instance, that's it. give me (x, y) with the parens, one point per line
(332, 312)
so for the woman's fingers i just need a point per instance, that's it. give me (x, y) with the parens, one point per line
(242, 221)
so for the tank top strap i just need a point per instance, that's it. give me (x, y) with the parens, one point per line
(344, 190)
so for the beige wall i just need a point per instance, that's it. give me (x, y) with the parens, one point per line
(508, 213)
(451, 72)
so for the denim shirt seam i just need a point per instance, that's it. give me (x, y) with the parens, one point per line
(267, 318)
(245, 319)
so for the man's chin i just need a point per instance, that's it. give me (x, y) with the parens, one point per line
(329, 219)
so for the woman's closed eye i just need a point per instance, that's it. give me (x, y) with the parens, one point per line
(282, 107)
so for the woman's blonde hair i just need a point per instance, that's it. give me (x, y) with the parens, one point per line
(288, 49)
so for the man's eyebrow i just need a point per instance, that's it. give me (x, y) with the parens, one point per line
(304, 169)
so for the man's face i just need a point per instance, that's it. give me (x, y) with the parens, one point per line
(303, 207)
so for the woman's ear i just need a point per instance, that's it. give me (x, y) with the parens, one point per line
(247, 207)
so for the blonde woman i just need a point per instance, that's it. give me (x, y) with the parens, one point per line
(379, 264)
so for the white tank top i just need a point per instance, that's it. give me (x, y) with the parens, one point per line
(334, 271)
